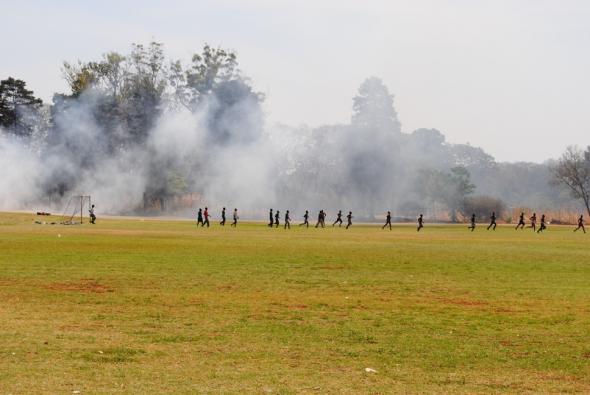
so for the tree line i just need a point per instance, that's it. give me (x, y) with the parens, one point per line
(368, 164)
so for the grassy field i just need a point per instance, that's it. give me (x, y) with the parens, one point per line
(135, 306)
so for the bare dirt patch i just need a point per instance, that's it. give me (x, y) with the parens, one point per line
(84, 285)
(298, 307)
(463, 302)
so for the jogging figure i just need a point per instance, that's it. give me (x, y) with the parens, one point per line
(580, 224)
(338, 219)
(320, 218)
(277, 218)
(287, 220)
(200, 217)
(349, 218)
(305, 219)
(492, 221)
(235, 223)
(206, 217)
(542, 227)
(533, 222)
(323, 219)
(472, 226)
(387, 220)
(420, 222)
(520, 222)
(222, 223)
(93, 217)
(272, 221)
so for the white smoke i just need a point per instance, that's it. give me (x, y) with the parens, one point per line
(20, 170)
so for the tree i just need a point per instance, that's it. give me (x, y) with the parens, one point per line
(573, 171)
(214, 83)
(449, 188)
(373, 107)
(212, 66)
(17, 106)
(458, 187)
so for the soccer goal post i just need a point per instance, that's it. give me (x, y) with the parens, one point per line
(74, 209)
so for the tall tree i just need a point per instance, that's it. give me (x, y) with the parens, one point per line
(573, 170)
(373, 107)
(212, 66)
(17, 106)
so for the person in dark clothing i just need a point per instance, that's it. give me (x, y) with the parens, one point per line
(305, 219)
(580, 224)
(472, 226)
(200, 217)
(287, 220)
(520, 222)
(492, 221)
(349, 218)
(206, 217)
(533, 222)
(320, 219)
(277, 214)
(338, 219)
(543, 226)
(93, 216)
(420, 222)
(272, 221)
(222, 223)
(387, 220)
(235, 223)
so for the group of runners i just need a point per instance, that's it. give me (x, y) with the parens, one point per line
(321, 223)
(521, 223)
(274, 217)
(203, 217)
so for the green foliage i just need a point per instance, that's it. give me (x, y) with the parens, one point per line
(209, 68)
(449, 188)
(17, 106)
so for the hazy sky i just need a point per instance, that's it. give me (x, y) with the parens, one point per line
(509, 76)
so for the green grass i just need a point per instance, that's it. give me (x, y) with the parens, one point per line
(135, 306)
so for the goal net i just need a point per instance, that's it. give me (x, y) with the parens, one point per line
(75, 210)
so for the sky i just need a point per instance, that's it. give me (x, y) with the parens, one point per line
(510, 76)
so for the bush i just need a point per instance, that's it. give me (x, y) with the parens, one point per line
(483, 206)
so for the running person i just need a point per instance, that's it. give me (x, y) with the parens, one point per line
(349, 218)
(320, 217)
(580, 224)
(277, 218)
(338, 219)
(472, 226)
(420, 222)
(533, 222)
(206, 217)
(287, 220)
(222, 223)
(542, 227)
(492, 221)
(305, 219)
(387, 220)
(200, 217)
(93, 216)
(323, 219)
(235, 223)
(520, 222)
(272, 221)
